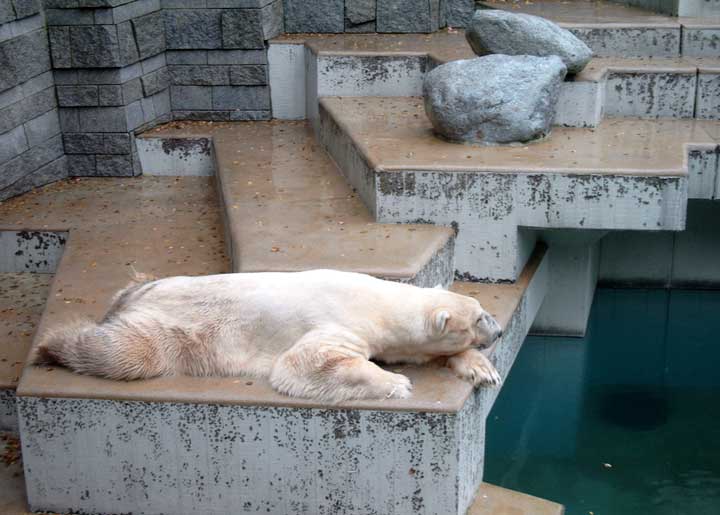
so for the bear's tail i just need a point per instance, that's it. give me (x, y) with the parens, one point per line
(88, 348)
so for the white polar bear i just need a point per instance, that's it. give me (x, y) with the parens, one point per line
(312, 334)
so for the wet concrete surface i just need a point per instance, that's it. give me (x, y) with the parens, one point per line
(381, 125)
(22, 300)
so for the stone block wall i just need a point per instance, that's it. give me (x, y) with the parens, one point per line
(31, 150)
(217, 60)
(111, 79)
(387, 16)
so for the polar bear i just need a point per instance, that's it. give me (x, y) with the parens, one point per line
(312, 334)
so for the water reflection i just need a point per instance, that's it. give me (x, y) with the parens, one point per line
(625, 420)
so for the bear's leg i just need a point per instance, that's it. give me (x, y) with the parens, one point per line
(472, 366)
(322, 367)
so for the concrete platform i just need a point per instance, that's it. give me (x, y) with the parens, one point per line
(287, 207)
(224, 443)
(304, 68)
(625, 174)
(22, 300)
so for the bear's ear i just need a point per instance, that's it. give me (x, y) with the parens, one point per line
(440, 321)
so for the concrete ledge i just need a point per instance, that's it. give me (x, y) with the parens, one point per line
(428, 451)
(395, 65)
(576, 179)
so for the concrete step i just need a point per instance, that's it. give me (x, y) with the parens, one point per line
(624, 174)
(183, 445)
(615, 30)
(287, 208)
(304, 68)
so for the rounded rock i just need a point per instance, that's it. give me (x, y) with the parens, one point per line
(500, 32)
(494, 99)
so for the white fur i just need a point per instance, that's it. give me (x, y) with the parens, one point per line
(311, 333)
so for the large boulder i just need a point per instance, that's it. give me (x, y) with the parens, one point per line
(500, 32)
(494, 99)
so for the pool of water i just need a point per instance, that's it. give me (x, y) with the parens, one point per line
(623, 421)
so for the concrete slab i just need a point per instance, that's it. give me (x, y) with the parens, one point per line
(423, 459)
(287, 208)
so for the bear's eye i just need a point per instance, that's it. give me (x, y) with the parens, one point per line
(479, 321)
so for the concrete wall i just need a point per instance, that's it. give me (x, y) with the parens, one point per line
(31, 152)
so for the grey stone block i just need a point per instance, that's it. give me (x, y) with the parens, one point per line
(493, 31)
(368, 27)
(42, 128)
(69, 119)
(358, 12)
(116, 144)
(249, 116)
(132, 91)
(83, 143)
(51, 172)
(127, 47)
(494, 99)
(30, 161)
(95, 46)
(97, 143)
(22, 58)
(114, 166)
(236, 57)
(110, 95)
(102, 119)
(191, 97)
(249, 75)
(187, 56)
(26, 109)
(153, 63)
(193, 29)
(631, 41)
(12, 144)
(125, 12)
(458, 13)
(314, 16)
(242, 29)
(161, 101)
(183, 4)
(273, 19)
(65, 77)
(200, 75)
(650, 95)
(30, 87)
(81, 165)
(25, 8)
(134, 115)
(150, 34)
(60, 46)
(403, 16)
(77, 96)
(60, 17)
(242, 98)
(155, 82)
(236, 4)
(7, 13)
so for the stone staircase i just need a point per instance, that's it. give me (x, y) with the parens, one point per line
(362, 185)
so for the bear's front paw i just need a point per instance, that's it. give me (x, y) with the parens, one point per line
(472, 366)
(396, 386)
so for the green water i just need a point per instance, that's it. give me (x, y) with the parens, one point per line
(623, 421)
